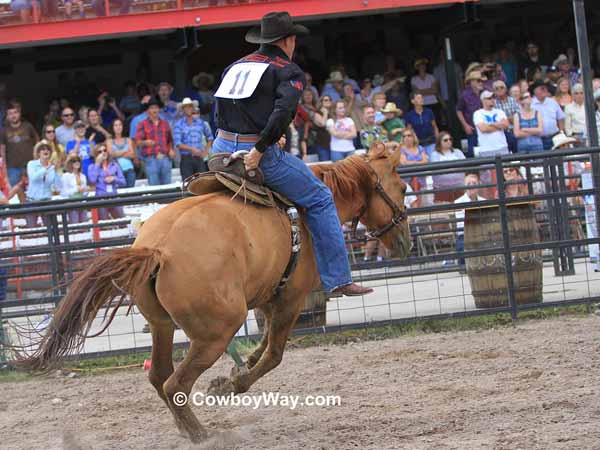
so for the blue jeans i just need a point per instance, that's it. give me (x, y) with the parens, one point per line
(472, 143)
(324, 153)
(158, 171)
(547, 142)
(511, 140)
(14, 175)
(288, 175)
(460, 247)
(338, 156)
(529, 148)
(129, 177)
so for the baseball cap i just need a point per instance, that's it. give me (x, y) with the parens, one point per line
(552, 69)
(486, 94)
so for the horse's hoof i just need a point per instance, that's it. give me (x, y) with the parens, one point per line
(198, 436)
(220, 386)
(238, 371)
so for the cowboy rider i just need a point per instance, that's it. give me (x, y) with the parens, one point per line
(255, 103)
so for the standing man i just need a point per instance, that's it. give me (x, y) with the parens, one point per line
(471, 195)
(510, 107)
(553, 117)
(66, 132)
(189, 135)
(154, 136)
(466, 106)
(253, 115)
(422, 121)
(16, 143)
(491, 123)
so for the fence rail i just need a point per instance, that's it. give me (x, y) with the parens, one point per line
(430, 283)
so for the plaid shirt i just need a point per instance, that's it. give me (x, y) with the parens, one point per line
(159, 133)
(510, 108)
(191, 134)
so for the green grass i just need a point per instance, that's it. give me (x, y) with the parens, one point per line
(246, 346)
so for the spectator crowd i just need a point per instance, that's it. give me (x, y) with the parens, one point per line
(94, 140)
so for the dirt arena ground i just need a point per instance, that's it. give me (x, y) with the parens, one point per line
(536, 386)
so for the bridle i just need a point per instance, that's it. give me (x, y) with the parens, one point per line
(398, 216)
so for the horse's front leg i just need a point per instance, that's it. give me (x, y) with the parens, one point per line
(283, 317)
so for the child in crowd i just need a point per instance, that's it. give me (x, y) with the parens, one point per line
(393, 124)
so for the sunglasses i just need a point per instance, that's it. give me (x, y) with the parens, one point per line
(68, 115)
(50, 131)
(499, 88)
(524, 97)
(447, 140)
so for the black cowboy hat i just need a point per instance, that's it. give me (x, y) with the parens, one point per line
(536, 84)
(273, 27)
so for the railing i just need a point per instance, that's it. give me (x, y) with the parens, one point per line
(431, 283)
(37, 11)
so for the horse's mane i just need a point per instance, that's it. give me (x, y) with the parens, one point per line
(347, 178)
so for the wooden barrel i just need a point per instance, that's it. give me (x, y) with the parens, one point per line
(487, 274)
(314, 313)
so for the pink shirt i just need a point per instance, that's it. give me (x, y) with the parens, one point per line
(424, 83)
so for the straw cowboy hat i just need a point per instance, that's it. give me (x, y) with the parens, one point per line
(209, 78)
(561, 139)
(390, 107)
(188, 101)
(421, 62)
(40, 145)
(273, 27)
(475, 75)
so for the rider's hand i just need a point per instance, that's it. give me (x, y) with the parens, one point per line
(252, 159)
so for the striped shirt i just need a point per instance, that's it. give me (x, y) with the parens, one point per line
(160, 133)
(510, 108)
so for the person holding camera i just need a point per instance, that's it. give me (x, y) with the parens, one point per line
(95, 131)
(108, 109)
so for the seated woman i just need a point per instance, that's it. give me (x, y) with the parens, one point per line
(42, 178)
(517, 186)
(445, 151)
(74, 185)
(107, 176)
(412, 153)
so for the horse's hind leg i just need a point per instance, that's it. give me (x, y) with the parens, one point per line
(283, 317)
(202, 355)
(162, 328)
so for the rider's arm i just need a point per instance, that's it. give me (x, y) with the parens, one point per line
(289, 91)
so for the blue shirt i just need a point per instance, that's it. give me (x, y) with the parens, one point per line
(84, 153)
(551, 114)
(191, 134)
(41, 180)
(133, 128)
(169, 112)
(421, 123)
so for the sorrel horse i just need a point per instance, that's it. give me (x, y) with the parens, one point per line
(203, 262)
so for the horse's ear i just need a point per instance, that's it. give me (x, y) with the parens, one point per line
(377, 151)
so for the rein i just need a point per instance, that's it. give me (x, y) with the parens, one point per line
(398, 216)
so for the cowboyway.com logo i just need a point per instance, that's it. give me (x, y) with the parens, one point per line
(258, 400)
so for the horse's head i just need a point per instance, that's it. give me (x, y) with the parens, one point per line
(385, 213)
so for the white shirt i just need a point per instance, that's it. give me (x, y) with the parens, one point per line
(69, 184)
(460, 213)
(496, 140)
(574, 119)
(338, 144)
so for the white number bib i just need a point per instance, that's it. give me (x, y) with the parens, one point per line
(241, 80)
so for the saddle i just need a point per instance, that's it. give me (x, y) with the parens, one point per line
(227, 171)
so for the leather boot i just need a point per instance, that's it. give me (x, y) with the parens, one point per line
(352, 290)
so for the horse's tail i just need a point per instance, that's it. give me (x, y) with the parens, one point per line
(109, 277)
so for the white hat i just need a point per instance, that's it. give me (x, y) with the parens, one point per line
(188, 101)
(335, 76)
(561, 139)
(561, 59)
(486, 94)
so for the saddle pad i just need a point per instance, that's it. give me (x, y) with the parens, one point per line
(208, 182)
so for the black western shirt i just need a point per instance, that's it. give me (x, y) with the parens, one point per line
(273, 104)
